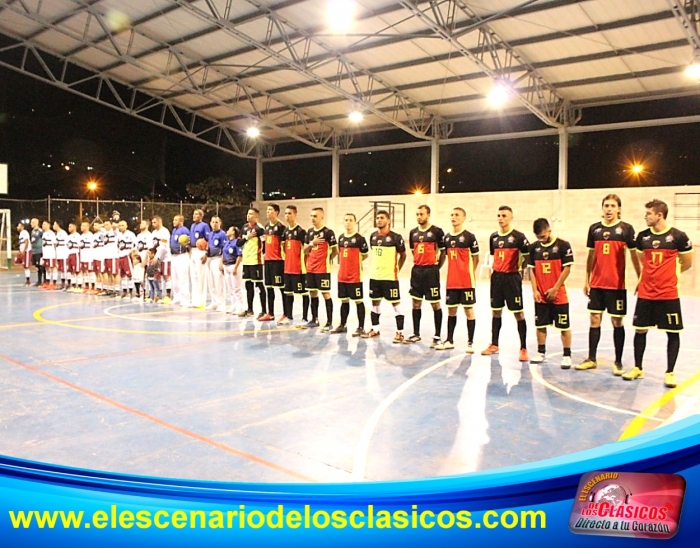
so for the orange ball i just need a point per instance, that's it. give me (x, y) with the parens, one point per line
(202, 244)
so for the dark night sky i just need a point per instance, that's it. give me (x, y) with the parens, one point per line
(43, 126)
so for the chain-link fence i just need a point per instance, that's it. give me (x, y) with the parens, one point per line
(133, 212)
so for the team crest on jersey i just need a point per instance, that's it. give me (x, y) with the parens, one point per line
(430, 234)
(196, 235)
(420, 238)
(345, 243)
(354, 240)
(500, 243)
(461, 238)
(216, 241)
(452, 243)
(618, 230)
(655, 244)
(669, 238)
(388, 239)
(555, 249)
(511, 239)
(545, 254)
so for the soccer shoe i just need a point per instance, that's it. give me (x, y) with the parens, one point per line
(492, 349)
(470, 349)
(444, 345)
(523, 355)
(339, 329)
(359, 332)
(284, 321)
(157, 300)
(617, 369)
(670, 380)
(45, 285)
(632, 374)
(435, 342)
(586, 364)
(244, 313)
(371, 334)
(266, 318)
(93, 292)
(52, 287)
(399, 338)
(410, 340)
(166, 300)
(221, 308)
(211, 306)
(28, 283)
(538, 358)
(565, 362)
(326, 328)
(310, 324)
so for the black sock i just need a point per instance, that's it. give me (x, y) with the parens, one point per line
(329, 311)
(288, 303)
(344, 312)
(471, 327)
(417, 313)
(375, 318)
(640, 345)
(314, 308)
(305, 308)
(672, 349)
(437, 315)
(495, 330)
(361, 314)
(451, 324)
(271, 301)
(263, 297)
(249, 293)
(619, 339)
(137, 285)
(541, 348)
(399, 322)
(167, 292)
(593, 340)
(567, 352)
(522, 331)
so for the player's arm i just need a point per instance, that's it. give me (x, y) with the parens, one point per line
(442, 258)
(334, 253)
(686, 260)
(636, 263)
(590, 261)
(475, 260)
(402, 260)
(533, 281)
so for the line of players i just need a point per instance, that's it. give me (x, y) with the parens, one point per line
(296, 261)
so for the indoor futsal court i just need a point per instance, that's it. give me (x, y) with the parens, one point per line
(165, 391)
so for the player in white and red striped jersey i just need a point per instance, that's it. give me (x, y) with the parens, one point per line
(61, 254)
(24, 257)
(73, 260)
(98, 265)
(111, 258)
(48, 256)
(87, 274)
(126, 240)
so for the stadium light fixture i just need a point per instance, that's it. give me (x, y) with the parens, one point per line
(355, 116)
(499, 94)
(693, 70)
(637, 169)
(253, 132)
(340, 14)
(92, 185)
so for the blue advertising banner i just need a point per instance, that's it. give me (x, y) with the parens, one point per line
(531, 505)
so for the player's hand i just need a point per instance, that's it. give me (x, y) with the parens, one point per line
(551, 294)
(538, 296)
(204, 259)
(252, 234)
(636, 288)
(587, 289)
(221, 268)
(318, 240)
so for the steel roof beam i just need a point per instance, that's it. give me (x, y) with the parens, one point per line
(687, 12)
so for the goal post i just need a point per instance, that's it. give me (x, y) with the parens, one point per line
(5, 239)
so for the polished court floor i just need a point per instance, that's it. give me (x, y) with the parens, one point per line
(166, 391)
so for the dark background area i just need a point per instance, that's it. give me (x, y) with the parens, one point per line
(43, 130)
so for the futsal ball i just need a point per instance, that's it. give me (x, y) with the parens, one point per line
(117, 20)
(184, 239)
(202, 244)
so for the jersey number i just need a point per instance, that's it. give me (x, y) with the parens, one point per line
(289, 244)
(502, 255)
(394, 293)
(378, 251)
(453, 254)
(546, 268)
(562, 319)
(435, 292)
(268, 240)
(673, 319)
(345, 252)
(420, 249)
(606, 248)
(358, 292)
(657, 257)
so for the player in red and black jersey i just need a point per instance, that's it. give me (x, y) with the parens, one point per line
(294, 267)
(462, 260)
(352, 250)
(509, 249)
(605, 278)
(320, 249)
(274, 262)
(427, 243)
(550, 260)
(665, 252)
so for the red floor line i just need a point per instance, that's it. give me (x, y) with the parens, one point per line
(160, 422)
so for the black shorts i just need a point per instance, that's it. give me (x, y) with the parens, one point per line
(274, 274)
(461, 297)
(36, 259)
(253, 272)
(318, 282)
(384, 289)
(549, 313)
(294, 284)
(666, 315)
(352, 292)
(425, 283)
(614, 301)
(507, 288)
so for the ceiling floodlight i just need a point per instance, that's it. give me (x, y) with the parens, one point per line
(253, 132)
(499, 94)
(340, 14)
(693, 70)
(355, 116)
